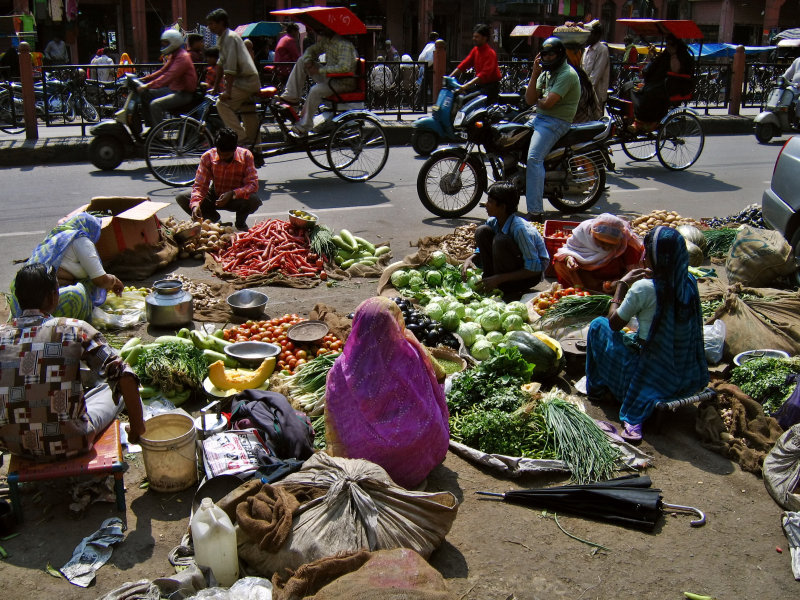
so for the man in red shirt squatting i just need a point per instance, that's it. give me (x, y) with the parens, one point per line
(226, 179)
(484, 60)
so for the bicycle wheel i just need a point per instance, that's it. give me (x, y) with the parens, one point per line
(88, 111)
(12, 120)
(639, 149)
(317, 151)
(173, 149)
(680, 141)
(358, 149)
(448, 186)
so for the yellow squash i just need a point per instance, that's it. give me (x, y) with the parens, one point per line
(235, 379)
(551, 342)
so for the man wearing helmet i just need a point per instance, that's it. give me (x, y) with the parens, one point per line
(173, 84)
(554, 89)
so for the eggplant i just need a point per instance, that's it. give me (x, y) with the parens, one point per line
(432, 339)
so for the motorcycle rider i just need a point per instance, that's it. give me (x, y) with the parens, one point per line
(173, 84)
(792, 77)
(555, 89)
(483, 59)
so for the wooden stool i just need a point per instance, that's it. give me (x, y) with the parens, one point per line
(105, 458)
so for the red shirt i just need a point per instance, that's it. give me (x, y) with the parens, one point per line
(239, 175)
(484, 59)
(178, 73)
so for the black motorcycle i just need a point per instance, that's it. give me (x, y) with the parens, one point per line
(452, 181)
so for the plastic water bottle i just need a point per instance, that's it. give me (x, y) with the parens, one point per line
(214, 540)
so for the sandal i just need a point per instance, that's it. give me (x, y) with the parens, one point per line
(632, 433)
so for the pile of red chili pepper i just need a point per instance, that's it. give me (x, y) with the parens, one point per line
(268, 246)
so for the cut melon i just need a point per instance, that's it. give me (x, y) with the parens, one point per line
(238, 379)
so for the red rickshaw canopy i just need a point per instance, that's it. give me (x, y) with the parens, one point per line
(339, 19)
(685, 30)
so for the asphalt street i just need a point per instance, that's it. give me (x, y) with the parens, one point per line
(730, 174)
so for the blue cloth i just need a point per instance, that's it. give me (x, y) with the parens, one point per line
(546, 132)
(527, 239)
(671, 362)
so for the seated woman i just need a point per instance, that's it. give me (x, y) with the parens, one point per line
(382, 399)
(665, 359)
(599, 250)
(83, 282)
(651, 102)
(511, 251)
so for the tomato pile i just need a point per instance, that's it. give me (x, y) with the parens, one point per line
(546, 299)
(273, 331)
(560, 234)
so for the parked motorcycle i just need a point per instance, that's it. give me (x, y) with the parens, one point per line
(781, 112)
(59, 99)
(107, 96)
(452, 181)
(444, 124)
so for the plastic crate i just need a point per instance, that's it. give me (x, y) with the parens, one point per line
(554, 243)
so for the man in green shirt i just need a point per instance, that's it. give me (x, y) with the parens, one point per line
(554, 89)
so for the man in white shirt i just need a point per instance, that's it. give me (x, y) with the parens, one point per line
(596, 62)
(426, 71)
(56, 51)
(105, 74)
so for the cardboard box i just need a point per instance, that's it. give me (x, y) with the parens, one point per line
(132, 221)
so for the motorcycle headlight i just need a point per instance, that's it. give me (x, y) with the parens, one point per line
(459, 118)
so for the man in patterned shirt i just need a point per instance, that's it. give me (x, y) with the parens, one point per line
(226, 179)
(45, 413)
(340, 57)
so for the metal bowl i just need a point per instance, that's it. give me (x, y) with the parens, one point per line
(572, 38)
(249, 304)
(252, 354)
(302, 218)
(743, 357)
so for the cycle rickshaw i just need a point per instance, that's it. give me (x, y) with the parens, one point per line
(677, 140)
(351, 141)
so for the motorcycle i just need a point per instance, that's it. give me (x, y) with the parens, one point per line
(107, 96)
(449, 112)
(124, 136)
(58, 98)
(781, 112)
(452, 181)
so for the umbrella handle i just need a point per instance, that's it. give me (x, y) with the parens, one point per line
(494, 494)
(688, 509)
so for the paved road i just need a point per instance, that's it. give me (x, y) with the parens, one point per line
(730, 174)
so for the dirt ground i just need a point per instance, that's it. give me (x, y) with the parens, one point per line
(495, 551)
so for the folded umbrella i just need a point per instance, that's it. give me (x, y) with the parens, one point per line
(628, 501)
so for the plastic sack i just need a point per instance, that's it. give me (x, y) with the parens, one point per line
(782, 470)
(714, 341)
(247, 588)
(119, 312)
(354, 505)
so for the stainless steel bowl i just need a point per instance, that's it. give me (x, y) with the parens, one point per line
(249, 304)
(252, 354)
(298, 221)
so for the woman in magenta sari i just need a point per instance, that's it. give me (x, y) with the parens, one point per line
(383, 401)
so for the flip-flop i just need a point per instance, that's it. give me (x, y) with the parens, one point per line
(609, 430)
(632, 433)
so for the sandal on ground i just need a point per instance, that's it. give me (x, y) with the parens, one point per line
(632, 433)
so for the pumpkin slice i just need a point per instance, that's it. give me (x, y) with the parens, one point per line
(235, 379)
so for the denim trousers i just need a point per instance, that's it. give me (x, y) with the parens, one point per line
(546, 132)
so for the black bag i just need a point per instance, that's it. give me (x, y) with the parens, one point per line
(287, 433)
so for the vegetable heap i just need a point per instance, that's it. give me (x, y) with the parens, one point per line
(307, 385)
(172, 367)
(580, 306)
(719, 241)
(354, 250)
(427, 330)
(764, 380)
(750, 215)
(547, 299)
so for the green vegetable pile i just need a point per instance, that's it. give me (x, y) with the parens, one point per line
(171, 367)
(574, 307)
(764, 380)
(719, 241)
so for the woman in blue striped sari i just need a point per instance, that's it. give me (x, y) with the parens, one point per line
(665, 359)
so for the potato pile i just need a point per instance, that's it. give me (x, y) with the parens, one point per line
(212, 237)
(667, 218)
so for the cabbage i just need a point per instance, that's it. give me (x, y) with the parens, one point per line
(459, 309)
(490, 321)
(434, 311)
(450, 320)
(433, 278)
(481, 350)
(512, 322)
(494, 337)
(400, 278)
(474, 282)
(469, 314)
(488, 302)
(437, 259)
(518, 308)
(469, 332)
(474, 305)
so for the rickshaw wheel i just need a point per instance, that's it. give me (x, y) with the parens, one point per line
(318, 153)
(357, 148)
(173, 149)
(640, 149)
(680, 141)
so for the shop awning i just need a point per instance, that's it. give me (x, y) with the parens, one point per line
(725, 50)
(542, 31)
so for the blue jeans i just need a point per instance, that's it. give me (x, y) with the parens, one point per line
(546, 132)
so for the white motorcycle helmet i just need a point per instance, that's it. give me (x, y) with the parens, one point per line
(171, 40)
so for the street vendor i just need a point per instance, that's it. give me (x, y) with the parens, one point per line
(45, 412)
(383, 402)
(665, 359)
(226, 179)
(510, 250)
(83, 282)
(599, 250)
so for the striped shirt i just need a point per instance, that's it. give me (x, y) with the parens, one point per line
(239, 175)
(528, 240)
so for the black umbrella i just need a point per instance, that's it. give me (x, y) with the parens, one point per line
(627, 500)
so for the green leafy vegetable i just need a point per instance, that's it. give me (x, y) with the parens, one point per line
(764, 380)
(171, 367)
(499, 432)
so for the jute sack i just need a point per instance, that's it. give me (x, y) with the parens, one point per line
(758, 257)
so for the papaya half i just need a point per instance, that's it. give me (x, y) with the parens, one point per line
(237, 379)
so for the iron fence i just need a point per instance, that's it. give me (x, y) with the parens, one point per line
(758, 78)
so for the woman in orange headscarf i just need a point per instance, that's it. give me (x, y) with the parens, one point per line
(599, 251)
